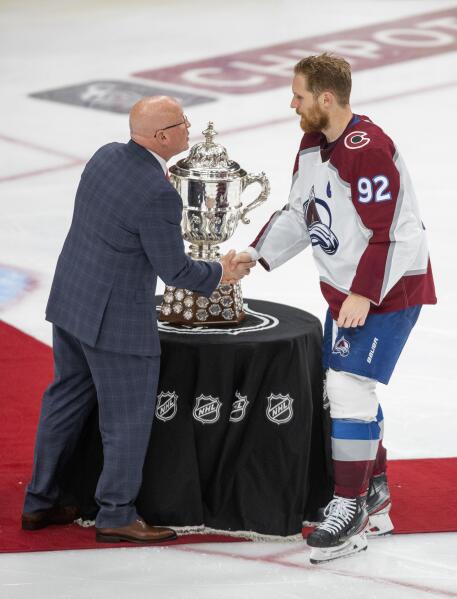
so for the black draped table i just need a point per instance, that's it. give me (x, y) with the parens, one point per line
(240, 439)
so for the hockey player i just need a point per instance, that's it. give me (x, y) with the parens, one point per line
(352, 200)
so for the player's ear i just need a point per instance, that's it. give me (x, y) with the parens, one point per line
(326, 99)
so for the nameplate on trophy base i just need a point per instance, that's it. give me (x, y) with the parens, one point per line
(224, 306)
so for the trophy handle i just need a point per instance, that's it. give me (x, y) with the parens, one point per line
(265, 184)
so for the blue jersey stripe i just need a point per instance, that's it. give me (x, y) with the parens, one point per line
(354, 429)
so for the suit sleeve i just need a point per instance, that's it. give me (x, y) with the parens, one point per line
(395, 231)
(161, 237)
(284, 235)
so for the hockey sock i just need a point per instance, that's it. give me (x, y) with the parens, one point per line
(380, 465)
(354, 449)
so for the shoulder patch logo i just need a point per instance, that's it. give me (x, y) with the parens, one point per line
(279, 409)
(356, 140)
(207, 409)
(167, 405)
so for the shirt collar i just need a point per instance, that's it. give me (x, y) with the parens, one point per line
(160, 160)
(328, 147)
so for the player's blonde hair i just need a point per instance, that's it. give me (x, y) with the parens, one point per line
(327, 72)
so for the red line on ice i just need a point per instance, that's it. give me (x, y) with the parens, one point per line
(41, 171)
(40, 148)
(276, 559)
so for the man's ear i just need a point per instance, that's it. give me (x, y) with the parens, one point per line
(162, 138)
(326, 99)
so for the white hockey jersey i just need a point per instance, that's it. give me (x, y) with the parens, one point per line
(354, 202)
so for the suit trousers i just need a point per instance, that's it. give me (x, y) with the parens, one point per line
(125, 388)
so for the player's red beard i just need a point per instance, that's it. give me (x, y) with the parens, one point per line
(316, 120)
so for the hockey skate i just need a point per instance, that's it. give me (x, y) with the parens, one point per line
(342, 532)
(378, 507)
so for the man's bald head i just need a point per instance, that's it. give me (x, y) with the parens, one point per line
(150, 114)
(148, 120)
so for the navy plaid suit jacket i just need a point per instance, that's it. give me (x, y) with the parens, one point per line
(125, 232)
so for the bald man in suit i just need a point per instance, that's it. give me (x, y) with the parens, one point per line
(125, 233)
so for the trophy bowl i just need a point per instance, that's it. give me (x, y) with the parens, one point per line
(211, 187)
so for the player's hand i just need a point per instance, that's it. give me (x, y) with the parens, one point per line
(354, 311)
(235, 266)
(242, 257)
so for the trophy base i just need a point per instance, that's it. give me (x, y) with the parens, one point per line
(224, 306)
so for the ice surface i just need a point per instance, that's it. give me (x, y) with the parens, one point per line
(43, 145)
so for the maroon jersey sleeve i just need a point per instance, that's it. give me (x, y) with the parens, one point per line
(375, 188)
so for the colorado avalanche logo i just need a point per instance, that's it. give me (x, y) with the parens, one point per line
(316, 211)
(279, 409)
(342, 347)
(207, 409)
(239, 407)
(356, 139)
(167, 405)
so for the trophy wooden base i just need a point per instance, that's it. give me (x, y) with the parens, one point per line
(224, 306)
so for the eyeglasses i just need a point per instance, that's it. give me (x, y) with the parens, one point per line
(184, 122)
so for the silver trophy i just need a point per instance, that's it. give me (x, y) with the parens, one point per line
(211, 186)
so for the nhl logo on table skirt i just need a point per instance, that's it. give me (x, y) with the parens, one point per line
(239, 407)
(167, 405)
(279, 409)
(207, 409)
(342, 347)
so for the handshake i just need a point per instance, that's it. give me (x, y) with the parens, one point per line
(235, 266)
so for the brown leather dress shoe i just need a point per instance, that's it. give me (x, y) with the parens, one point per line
(59, 514)
(136, 532)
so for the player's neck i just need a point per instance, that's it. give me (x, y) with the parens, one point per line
(338, 123)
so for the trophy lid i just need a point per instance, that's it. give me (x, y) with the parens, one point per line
(208, 159)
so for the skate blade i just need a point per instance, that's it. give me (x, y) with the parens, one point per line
(352, 546)
(379, 525)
